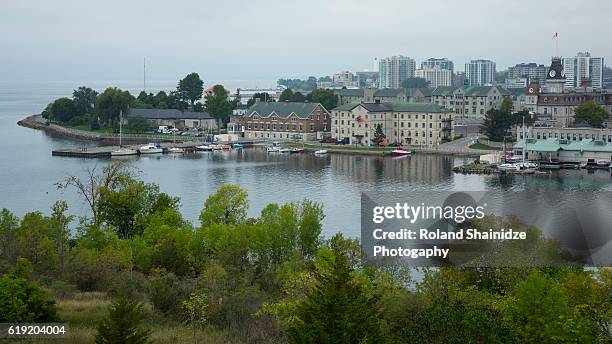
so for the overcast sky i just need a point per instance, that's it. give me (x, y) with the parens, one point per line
(261, 39)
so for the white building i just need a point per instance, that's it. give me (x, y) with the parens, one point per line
(529, 71)
(394, 70)
(344, 79)
(436, 76)
(480, 72)
(248, 93)
(583, 67)
(442, 63)
(516, 82)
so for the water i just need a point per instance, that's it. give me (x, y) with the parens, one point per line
(28, 171)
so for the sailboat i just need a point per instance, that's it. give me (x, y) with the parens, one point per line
(122, 151)
(175, 149)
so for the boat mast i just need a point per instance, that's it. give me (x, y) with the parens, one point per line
(120, 126)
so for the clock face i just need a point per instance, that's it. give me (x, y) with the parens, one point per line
(552, 73)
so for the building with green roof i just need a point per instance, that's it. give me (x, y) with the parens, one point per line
(565, 151)
(283, 120)
(404, 123)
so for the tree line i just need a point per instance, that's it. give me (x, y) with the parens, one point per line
(272, 278)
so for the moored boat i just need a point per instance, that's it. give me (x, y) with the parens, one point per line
(272, 149)
(123, 151)
(400, 152)
(176, 150)
(321, 152)
(150, 148)
(205, 148)
(237, 146)
(297, 150)
(284, 150)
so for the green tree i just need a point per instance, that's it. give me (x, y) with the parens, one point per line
(122, 324)
(338, 309)
(415, 83)
(139, 125)
(110, 104)
(63, 110)
(84, 100)
(286, 96)
(217, 103)
(298, 97)
(24, 301)
(590, 113)
(9, 224)
(497, 122)
(228, 205)
(190, 88)
(262, 96)
(379, 135)
(326, 97)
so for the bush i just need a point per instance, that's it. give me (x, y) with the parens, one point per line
(165, 291)
(62, 290)
(122, 324)
(23, 301)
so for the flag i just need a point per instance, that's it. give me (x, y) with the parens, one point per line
(359, 119)
(556, 35)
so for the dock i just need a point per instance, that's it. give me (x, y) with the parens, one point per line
(105, 151)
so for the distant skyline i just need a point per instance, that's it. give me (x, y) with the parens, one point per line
(264, 40)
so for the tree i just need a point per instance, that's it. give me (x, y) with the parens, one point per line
(84, 100)
(63, 110)
(228, 205)
(112, 176)
(326, 97)
(122, 324)
(338, 309)
(218, 104)
(190, 88)
(298, 97)
(286, 95)
(590, 113)
(415, 83)
(262, 96)
(111, 103)
(497, 122)
(23, 301)
(379, 135)
(139, 124)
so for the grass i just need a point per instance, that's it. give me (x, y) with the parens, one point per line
(482, 146)
(82, 311)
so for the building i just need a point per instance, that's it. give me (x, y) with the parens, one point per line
(248, 93)
(436, 76)
(583, 68)
(529, 71)
(516, 83)
(459, 79)
(441, 63)
(565, 150)
(176, 118)
(394, 70)
(577, 133)
(344, 79)
(367, 78)
(283, 120)
(390, 95)
(480, 72)
(469, 101)
(416, 124)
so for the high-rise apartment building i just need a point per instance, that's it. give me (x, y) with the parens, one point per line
(529, 71)
(436, 76)
(442, 63)
(583, 68)
(394, 70)
(480, 72)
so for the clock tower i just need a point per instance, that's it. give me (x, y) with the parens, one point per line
(555, 78)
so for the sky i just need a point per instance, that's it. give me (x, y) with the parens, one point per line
(270, 39)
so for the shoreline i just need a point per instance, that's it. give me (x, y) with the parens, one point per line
(54, 129)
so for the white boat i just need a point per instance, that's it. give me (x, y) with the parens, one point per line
(285, 150)
(272, 149)
(321, 152)
(206, 148)
(176, 150)
(151, 148)
(215, 147)
(508, 167)
(122, 151)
